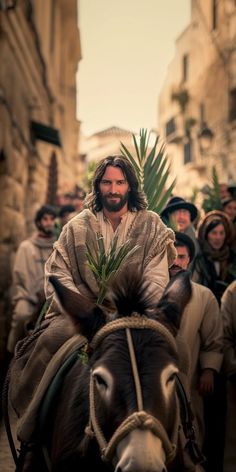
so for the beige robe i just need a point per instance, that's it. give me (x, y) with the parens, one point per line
(201, 328)
(28, 284)
(69, 264)
(228, 310)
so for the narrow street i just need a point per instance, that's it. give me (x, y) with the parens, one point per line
(6, 460)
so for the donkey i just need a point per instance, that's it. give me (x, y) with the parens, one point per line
(117, 408)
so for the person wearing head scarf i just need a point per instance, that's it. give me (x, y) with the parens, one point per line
(215, 266)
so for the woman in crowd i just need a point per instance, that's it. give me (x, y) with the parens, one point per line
(215, 266)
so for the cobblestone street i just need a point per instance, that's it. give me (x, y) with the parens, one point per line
(6, 460)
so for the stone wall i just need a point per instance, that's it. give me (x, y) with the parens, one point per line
(32, 89)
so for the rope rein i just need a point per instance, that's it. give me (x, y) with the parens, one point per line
(136, 321)
(135, 370)
(138, 419)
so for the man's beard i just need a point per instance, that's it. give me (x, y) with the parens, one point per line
(114, 206)
(48, 232)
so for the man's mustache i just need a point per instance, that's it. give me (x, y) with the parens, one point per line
(114, 195)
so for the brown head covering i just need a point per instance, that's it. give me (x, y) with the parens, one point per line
(214, 216)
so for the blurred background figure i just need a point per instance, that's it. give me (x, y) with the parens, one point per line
(65, 213)
(228, 310)
(229, 207)
(215, 266)
(78, 198)
(224, 191)
(28, 274)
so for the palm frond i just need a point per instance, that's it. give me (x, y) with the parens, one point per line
(212, 201)
(105, 266)
(152, 170)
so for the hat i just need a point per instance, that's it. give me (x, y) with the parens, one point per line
(178, 203)
(186, 241)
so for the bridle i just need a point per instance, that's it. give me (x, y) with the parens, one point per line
(140, 418)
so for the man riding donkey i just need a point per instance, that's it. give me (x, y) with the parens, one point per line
(116, 223)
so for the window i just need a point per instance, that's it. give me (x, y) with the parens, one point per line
(170, 127)
(187, 152)
(232, 105)
(185, 68)
(202, 113)
(214, 14)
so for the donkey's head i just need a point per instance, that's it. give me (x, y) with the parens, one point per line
(133, 405)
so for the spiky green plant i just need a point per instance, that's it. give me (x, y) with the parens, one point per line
(152, 170)
(105, 266)
(212, 201)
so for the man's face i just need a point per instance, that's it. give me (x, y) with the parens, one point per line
(182, 260)
(230, 209)
(114, 189)
(182, 218)
(46, 224)
(223, 189)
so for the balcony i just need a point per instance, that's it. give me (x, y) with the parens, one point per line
(174, 130)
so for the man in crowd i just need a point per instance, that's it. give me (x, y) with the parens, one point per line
(116, 208)
(201, 328)
(28, 274)
(181, 214)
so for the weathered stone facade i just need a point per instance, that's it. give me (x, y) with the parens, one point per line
(200, 91)
(105, 143)
(39, 54)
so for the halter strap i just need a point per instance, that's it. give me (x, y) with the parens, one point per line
(138, 419)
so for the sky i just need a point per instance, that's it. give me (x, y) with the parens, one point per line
(126, 48)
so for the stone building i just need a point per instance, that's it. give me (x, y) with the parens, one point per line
(105, 142)
(197, 104)
(39, 54)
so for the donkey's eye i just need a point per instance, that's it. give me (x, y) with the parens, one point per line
(171, 378)
(103, 381)
(100, 381)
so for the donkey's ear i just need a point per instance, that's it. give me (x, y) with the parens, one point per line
(175, 297)
(86, 316)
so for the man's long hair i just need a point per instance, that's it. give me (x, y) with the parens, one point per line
(137, 199)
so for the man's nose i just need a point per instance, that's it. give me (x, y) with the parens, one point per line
(113, 187)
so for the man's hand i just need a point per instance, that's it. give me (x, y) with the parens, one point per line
(206, 382)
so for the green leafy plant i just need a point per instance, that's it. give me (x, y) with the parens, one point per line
(105, 266)
(188, 124)
(152, 170)
(89, 176)
(212, 201)
(182, 97)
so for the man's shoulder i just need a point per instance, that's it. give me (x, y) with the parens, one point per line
(26, 243)
(202, 291)
(84, 215)
(150, 215)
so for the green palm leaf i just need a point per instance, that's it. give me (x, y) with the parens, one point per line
(212, 201)
(152, 170)
(105, 266)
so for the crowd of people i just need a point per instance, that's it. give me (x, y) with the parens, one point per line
(176, 240)
(206, 246)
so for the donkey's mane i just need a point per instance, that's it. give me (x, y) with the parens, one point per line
(129, 295)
